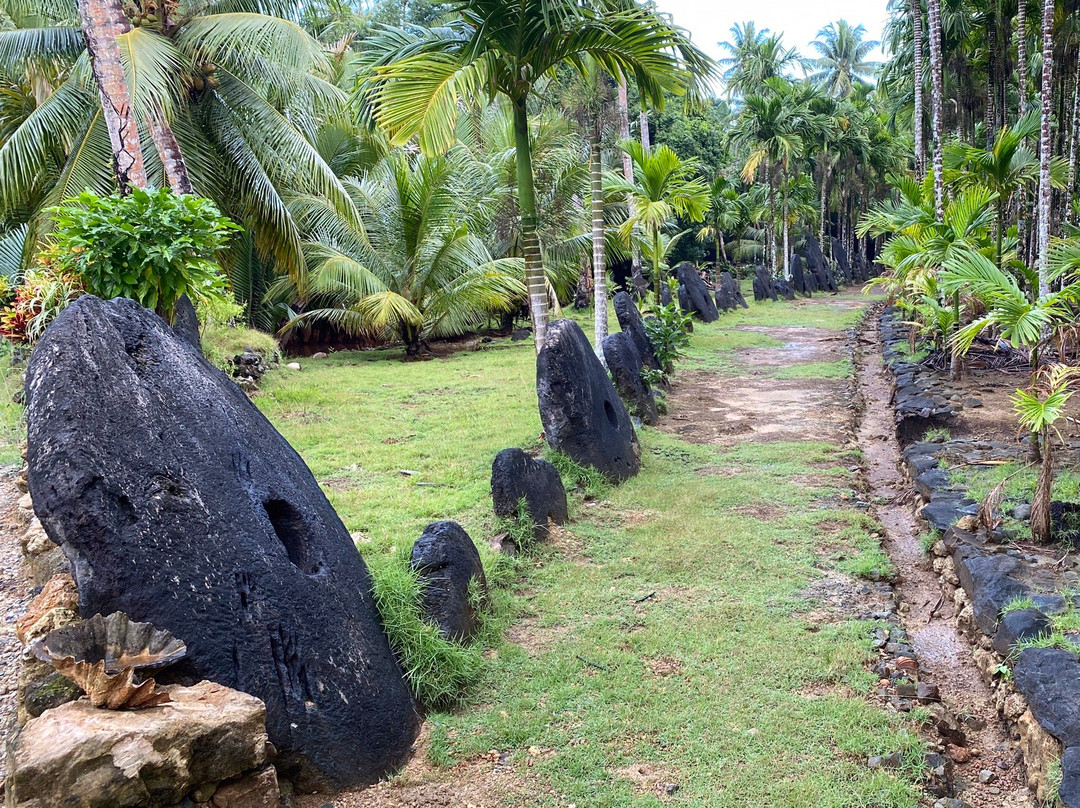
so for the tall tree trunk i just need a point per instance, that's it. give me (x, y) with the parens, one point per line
(646, 135)
(636, 276)
(172, 160)
(600, 314)
(917, 123)
(1074, 145)
(535, 279)
(787, 240)
(102, 22)
(937, 93)
(1021, 55)
(825, 195)
(990, 113)
(1046, 146)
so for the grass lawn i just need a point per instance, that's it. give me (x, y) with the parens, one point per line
(665, 629)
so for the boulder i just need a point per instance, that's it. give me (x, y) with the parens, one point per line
(783, 288)
(1069, 790)
(447, 563)
(1017, 626)
(582, 414)
(625, 367)
(800, 280)
(256, 790)
(1049, 678)
(991, 583)
(763, 285)
(56, 605)
(516, 476)
(823, 277)
(186, 323)
(80, 755)
(633, 325)
(733, 290)
(843, 265)
(180, 505)
(694, 296)
(861, 269)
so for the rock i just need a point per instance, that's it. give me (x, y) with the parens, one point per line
(927, 693)
(733, 290)
(59, 594)
(180, 505)
(1017, 626)
(294, 366)
(943, 511)
(763, 285)
(946, 725)
(48, 692)
(320, 355)
(1039, 749)
(582, 415)
(521, 335)
(634, 327)
(823, 277)
(991, 583)
(256, 790)
(516, 476)
(448, 564)
(79, 755)
(624, 364)
(784, 288)
(843, 265)
(1049, 678)
(186, 323)
(930, 481)
(800, 279)
(47, 565)
(694, 296)
(1022, 512)
(1069, 791)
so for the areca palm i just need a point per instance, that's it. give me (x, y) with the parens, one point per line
(726, 212)
(841, 62)
(240, 89)
(505, 49)
(754, 57)
(664, 188)
(417, 267)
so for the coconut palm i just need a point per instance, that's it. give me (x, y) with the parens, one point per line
(241, 90)
(416, 268)
(501, 49)
(753, 57)
(841, 61)
(664, 188)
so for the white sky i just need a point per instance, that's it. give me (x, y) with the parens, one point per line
(710, 21)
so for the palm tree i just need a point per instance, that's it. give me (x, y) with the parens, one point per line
(917, 116)
(664, 187)
(505, 50)
(753, 57)
(723, 216)
(841, 61)
(235, 86)
(416, 268)
(1007, 168)
(103, 23)
(1021, 56)
(937, 101)
(1046, 144)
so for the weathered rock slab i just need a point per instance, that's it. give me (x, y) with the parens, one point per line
(447, 563)
(516, 476)
(694, 295)
(625, 366)
(1017, 626)
(78, 755)
(632, 324)
(581, 412)
(1049, 678)
(180, 505)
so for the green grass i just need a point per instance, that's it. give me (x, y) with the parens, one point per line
(840, 369)
(667, 627)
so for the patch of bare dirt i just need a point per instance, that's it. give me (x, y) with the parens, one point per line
(761, 511)
(664, 666)
(488, 781)
(821, 690)
(944, 656)
(837, 597)
(649, 779)
(802, 346)
(534, 638)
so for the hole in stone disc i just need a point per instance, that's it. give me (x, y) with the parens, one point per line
(291, 532)
(609, 411)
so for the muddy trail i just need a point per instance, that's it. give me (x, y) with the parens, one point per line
(944, 655)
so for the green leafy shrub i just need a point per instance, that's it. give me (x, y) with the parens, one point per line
(151, 246)
(438, 671)
(669, 332)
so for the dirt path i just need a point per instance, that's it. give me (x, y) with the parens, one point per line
(15, 587)
(943, 654)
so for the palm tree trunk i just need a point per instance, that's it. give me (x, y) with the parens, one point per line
(656, 266)
(600, 314)
(102, 22)
(936, 103)
(787, 240)
(646, 136)
(1046, 146)
(1074, 144)
(1021, 55)
(535, 279)
(637, 278)
(917, 123)
(721, 249)
(172, 159)
(1040, 503)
